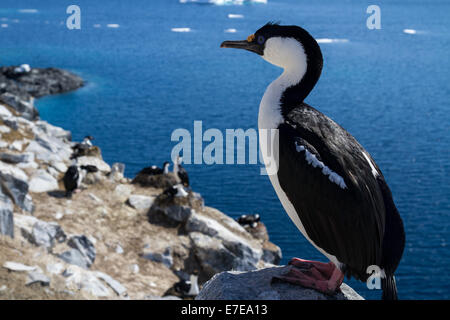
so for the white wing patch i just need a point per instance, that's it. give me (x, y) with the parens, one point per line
(374, 171)
(316, 163)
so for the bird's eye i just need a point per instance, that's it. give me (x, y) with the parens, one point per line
(261, 39)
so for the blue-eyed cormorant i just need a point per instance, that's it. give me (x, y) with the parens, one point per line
(250, 220)
(180, 171)
(188, 288)
(327, 182)
(154, 170)
(82, 148)
(74, 176)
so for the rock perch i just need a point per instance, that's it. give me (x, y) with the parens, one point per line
(256, 285)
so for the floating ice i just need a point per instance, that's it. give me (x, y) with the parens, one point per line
(235, 16)
(223, 2)
(181, 29)
(328, 40)
(28, 10)
(113, 25)
(409, 31)
(4, 25)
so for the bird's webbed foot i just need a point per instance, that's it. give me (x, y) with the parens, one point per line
(323, 277)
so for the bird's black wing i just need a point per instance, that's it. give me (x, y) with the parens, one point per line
(150, 171)
(183, 175)
(345, 220)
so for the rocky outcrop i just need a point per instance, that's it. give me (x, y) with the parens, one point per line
(6, 215)
(257, 285)
(115, 239)
(37, 82)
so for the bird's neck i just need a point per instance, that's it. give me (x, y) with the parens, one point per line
(288, 91)
(281, 96)
(194, 290)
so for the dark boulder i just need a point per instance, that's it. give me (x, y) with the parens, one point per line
(6, 215)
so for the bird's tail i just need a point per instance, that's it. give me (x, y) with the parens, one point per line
(389, 288)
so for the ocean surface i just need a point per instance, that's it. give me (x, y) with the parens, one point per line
(389, 88)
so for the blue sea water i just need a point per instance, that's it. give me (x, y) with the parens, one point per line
(388, 88)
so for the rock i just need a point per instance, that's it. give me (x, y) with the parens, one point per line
(256, 285)
(15, 185)
(178, 213)
(11, 122)
(55, 268)
(134, 268)
(140, 202)
(258, 232)
(211, 254)
(25, 223)
(27, 204)
(8, 169)
(123, 191)
(16, 158)
(86, 281)
(42, 181)
(15, 266)
(85, 247)
(43, 154)
(38, 82)
(54, 131)
(23, 106)
(44, 234)
(37, 277)
(169, 297)
(218, 248)
(75, 257)
(60, 166)
(95, 198)
(59, 215)
(165, 258)
(6, 215)
(4, 112)
(271, 253)
(118, 288)
(119, 249)
(16, 145)
(171, 215)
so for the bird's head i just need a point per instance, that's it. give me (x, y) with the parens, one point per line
(289, 47)
(279, 45)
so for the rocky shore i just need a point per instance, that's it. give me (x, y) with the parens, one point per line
(112, 240)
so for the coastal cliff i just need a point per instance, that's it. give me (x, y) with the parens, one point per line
(112, 240)
(115, 239)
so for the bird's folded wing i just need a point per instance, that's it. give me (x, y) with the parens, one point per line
(332, 187)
